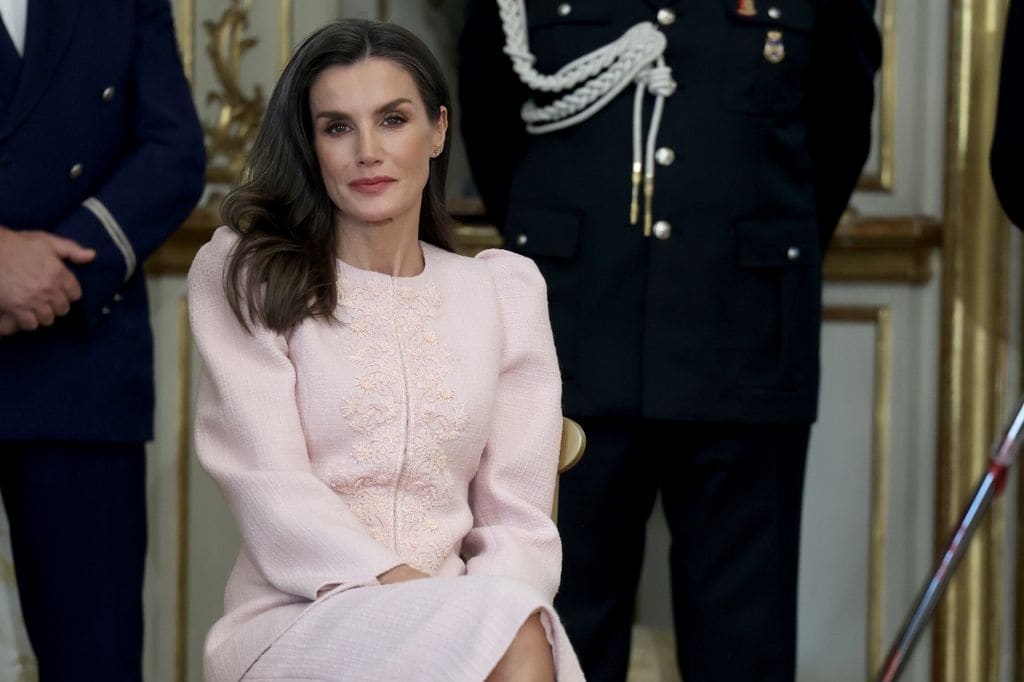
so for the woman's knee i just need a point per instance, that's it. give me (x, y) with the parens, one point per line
(528, 657)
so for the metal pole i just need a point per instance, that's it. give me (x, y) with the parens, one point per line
(990, 486)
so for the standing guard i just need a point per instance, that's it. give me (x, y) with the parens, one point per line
(676, 170)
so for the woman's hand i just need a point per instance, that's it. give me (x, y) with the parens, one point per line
(399, 574)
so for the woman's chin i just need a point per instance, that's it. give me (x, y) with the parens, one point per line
(368, 218)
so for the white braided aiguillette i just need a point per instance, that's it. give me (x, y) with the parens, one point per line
(600, 75)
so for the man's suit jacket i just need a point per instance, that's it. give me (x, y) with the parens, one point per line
(100, 143)
(720, 321)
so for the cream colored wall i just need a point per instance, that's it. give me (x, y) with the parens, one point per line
(919, 53)
(16, 660)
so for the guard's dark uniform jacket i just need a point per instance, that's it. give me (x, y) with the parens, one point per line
(717, 317)
(99, 143)
(1007, 158)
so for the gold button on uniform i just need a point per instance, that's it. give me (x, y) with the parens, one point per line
(666, 16)
(108, 93)
(792, 253)
(75, 172)
(665, 156)
(521, 239)
(564, 9)
(663, 229)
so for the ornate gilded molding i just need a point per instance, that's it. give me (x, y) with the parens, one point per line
(285, 31)
(883, 249)
(185, 17)
(894, 249)
(239, 114)
(176, 254)
(881, 403)
(1018, 654)
(968, 624)
(472, 239)
(881, 181)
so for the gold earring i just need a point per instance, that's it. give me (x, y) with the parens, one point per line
(436, 152)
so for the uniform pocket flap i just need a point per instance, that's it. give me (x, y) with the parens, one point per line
(543, 232)
(796, 14)
(776, 243)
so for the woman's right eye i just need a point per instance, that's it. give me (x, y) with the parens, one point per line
(336, 128)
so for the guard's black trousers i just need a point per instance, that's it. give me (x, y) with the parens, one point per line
(732, 497)
(78, 532)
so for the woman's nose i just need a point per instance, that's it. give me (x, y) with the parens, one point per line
(369, 151)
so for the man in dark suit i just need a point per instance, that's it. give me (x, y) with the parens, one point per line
(688, 332)
(101, 158)
(1007, 157)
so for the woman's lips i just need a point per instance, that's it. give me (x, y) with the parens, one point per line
(371, 185)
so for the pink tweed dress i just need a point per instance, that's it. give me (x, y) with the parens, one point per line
(421, 427)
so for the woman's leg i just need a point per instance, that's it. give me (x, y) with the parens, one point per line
(528, 657)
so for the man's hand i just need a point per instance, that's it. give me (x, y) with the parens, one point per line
(36, 287)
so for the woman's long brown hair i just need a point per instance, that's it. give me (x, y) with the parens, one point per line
(283, 269)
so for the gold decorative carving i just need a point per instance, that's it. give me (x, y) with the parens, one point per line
(968, 624)
(239, 114)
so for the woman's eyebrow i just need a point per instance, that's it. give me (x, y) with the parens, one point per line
(379, 110)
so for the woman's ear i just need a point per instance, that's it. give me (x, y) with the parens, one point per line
(440, 129)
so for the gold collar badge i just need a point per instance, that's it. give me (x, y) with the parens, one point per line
(774, 49)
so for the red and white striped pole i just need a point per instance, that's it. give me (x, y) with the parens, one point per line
(990, 487)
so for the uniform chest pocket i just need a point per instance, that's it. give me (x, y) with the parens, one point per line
(767, 55)
(564, 30)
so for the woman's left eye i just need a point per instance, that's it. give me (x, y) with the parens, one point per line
(393, 120)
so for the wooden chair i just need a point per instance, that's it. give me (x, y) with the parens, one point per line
(574, 442)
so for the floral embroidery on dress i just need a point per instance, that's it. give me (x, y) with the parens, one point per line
(405, 414)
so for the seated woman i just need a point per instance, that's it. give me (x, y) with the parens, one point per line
(381, 414)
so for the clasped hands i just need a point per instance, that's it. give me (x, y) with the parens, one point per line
(36, 286)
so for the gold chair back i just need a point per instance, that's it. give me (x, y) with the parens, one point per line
(574, 442)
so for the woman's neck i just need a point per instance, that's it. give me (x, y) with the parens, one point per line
(381, 248)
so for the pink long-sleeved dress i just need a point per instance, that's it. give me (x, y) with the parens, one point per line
(420, 427)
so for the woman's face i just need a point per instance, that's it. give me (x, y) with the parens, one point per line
(374, 141)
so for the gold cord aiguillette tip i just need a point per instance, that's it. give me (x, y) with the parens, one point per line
(648, 199)
(634, 204)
